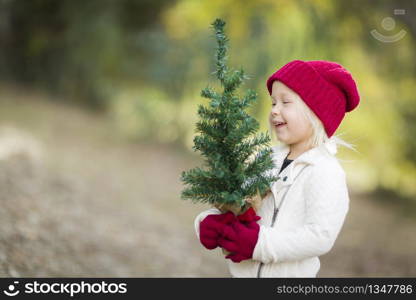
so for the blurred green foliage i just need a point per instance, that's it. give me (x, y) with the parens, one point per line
(72, 47)
(146, 62)
(145, 114)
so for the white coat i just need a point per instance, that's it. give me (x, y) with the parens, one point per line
(309, 202)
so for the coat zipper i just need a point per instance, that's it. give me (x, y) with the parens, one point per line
(276, 210)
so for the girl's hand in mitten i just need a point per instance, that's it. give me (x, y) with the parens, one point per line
(240, 237)
(248, 216)
(211, 228)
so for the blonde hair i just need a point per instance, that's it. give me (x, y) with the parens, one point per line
(319, 135)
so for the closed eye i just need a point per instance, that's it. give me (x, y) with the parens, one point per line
(284, 102)
(273, 104)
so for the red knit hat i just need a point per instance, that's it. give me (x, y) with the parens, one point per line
(326, 87)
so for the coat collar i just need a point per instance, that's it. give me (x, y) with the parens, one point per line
(310, 157)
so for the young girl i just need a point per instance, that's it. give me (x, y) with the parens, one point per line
(301, 217)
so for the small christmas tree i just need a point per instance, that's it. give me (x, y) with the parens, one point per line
(237, 165)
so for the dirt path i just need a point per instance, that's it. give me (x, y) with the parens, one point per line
(77, 201)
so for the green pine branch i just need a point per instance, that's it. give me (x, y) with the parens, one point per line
(237, 165)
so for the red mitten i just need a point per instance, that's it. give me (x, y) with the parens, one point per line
(248, 216)
(240, 238)
(211, 228)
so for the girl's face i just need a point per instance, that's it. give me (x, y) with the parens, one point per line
(296, 129)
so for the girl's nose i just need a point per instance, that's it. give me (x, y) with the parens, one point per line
(275, 110)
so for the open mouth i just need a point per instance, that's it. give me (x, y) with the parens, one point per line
(279, 125)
